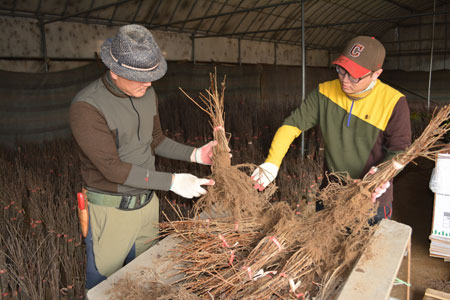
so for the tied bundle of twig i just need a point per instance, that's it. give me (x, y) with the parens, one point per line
(330, 241)
(212, 251)
(340, 232)
(130, 289)
(233, 192)
(348, 202)
(286, 282)
(213, 106)
(426, 145)
(270, 250)
(224, 259)
(302, 251)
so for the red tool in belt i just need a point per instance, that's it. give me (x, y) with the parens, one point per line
(83, 214)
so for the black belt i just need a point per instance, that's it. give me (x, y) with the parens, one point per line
(124, 202)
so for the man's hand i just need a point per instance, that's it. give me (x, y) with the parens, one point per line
(264, 174)
(381, 189)
(188, 185)
(203, 155)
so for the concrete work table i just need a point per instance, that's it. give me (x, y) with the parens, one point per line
(374, 274)
(152, 259)
(372, 277)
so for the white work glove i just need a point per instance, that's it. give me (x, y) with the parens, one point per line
(264, 174)
(381, 189)
(188, 185)
(203, 155)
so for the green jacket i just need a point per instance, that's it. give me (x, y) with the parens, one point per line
(358, 134)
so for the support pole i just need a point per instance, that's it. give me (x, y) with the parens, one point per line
(275, 47)
(303, 70)
(193, 48)
(431, 56)
(239, 52)
(43, 46)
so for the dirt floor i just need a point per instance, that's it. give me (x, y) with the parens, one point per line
(413, 205)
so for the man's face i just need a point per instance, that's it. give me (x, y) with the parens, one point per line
(131, 88)
(350, 87)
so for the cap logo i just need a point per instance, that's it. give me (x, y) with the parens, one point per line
(356, 50)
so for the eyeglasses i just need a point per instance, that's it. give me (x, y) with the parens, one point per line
(343, 72)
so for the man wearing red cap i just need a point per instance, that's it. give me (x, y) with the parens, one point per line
(364, 122)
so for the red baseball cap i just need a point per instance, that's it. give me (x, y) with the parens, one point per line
(362, 55)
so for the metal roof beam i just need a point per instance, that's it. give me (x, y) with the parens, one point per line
(330, 36)
(66, 4)
(414, 41)
(262, 22)
(296, 12)
(323, 25)
(87, 11)
(137, 11)
(242, 33)
(174, 11)
(422, 24)
(113, 14)
(243, 18)
(329, 14)
(105, 22)
(38, 9)
(201, 21)
(155, 10)
(98, 21)
(189, 13)
(229, 17)
(90, 7)
(214, 21)
(376, 20)
(405, 7)
(274, 19)
(13, 9)
(226, 14)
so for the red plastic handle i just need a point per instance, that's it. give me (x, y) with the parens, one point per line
(80, 199)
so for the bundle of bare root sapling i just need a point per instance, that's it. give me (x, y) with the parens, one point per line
(211, 250)
(326, 245)
(426, 145)
(284, 256)
(267, 254)
(211, 253)
(214, 250)
(336, 236)
(156, 289)
(233, 192)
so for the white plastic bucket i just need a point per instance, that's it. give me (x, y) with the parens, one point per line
(440, 177)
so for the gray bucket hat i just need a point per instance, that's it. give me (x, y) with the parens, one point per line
(134, 55)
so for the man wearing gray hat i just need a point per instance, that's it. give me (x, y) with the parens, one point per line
(363, 121)
(116, 125)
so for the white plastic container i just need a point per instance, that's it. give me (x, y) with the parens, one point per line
(440, 177)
